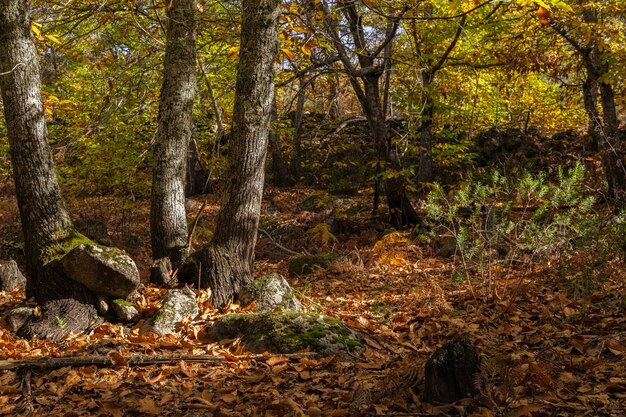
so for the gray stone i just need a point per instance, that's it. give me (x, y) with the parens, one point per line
(444, 245)
(102, 304)
(177, 306)
(11, 277)
(18, 316)
(125, 311)
(287, 332)
(104, 270)
(270, 292)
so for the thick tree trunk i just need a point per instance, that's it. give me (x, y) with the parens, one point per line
(168, 221)
(225, 265)
(48, 231)
(43, 216)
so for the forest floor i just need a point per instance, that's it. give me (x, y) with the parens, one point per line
(547, 350)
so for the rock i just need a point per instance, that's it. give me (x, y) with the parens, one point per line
(270, 292)
(305, 264)
(177, 306)
(450, 372)
(161, 273)
(444, 245)
(18, 316)
(102, 304)
(104, 270)
(287, 333)
(511, 145)
(125, 311)
(11, 277)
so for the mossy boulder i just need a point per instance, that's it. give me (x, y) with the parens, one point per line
(270, 292)
(287, 333)
(305, 264)
(103, 270)
(177, 306)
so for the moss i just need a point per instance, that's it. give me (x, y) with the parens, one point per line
(64, 245)
(305, 264)
(287, 332)
(123, 303)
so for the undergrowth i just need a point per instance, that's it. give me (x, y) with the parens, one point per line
(523, 219)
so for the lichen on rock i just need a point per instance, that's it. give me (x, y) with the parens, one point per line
(270, 292)
(177, 306)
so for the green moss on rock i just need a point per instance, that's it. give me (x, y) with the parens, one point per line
(65, 245)
(287, 332)
(305, 264)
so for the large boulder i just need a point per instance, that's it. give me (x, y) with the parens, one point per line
(11, 277)
(177, 306)
(287, 333)
(103, 270)
(270, 292)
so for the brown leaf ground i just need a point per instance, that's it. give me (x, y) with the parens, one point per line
(545, 350)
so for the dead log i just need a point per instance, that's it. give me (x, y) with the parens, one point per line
(117, 359)
(450, 372)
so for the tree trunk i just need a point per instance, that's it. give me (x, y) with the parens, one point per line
(43, 216)
(296, 157)
(225, 265)
(613, 148)
(168, 221)
(590, 94)
(197, 177)
(280, 169)
(47, 229)
(401, 212)
(426, 131)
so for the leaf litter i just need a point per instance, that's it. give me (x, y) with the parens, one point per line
(544, 350)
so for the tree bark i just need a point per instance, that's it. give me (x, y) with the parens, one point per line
(168, 221)
(296, 157)
(280, 169)
(47, 229)
(42, 213)
(225, 265)
(425, 173)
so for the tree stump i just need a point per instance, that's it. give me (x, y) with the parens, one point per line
(450, 372)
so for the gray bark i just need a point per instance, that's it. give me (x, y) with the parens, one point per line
(42, 213)
(225, 265)
(168, 221)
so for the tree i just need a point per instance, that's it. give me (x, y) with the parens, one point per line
(225, 264)
(68, 305)
(365, 64)
(168, 221)
(594, 48)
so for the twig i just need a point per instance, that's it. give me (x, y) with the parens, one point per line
(278, 245)
(194, 224)
(133, 360)
(19, 64)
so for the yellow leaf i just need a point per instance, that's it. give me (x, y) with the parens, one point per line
(233, 52)
(288, 53)
(54, 39)
(36, 30)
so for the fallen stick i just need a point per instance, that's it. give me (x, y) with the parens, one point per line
(117, 359)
